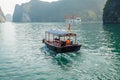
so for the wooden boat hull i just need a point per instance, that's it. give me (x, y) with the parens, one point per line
(62, 49)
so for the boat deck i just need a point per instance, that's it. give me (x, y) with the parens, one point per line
(58, 43)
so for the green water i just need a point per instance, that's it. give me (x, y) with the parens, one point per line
(24, 57)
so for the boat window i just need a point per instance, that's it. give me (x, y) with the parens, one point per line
(49, 37)
(62, 38)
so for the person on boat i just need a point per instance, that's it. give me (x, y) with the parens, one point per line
(67, 42)
(57, 40)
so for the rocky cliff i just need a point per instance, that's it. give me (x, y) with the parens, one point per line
(38, 11)
(21, 14)
(2, 17)
(111, 12)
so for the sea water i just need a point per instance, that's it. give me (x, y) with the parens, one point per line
(23, 56)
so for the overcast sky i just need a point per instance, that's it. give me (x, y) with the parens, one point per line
(8, 6)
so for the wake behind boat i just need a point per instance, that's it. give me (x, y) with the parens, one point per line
(61, 41)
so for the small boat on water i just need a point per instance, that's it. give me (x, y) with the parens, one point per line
(77, 20)
(74, 20)
(61, 41)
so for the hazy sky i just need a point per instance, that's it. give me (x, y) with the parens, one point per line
(9, 5)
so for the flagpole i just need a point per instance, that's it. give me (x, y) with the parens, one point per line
(69, 27)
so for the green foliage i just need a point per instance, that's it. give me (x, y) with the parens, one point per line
(45, 12)
(111, 14)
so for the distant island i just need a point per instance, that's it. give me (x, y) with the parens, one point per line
(111, 14)
(38, 11)
(2, 17)
(8, 17)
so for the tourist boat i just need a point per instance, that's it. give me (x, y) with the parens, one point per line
(56, 41)
(74, 20)
(77, 20)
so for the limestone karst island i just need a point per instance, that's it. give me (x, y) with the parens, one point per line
(2, 17)
(111, 12)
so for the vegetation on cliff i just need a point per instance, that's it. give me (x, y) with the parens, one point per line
(38, 11)
(111, 12)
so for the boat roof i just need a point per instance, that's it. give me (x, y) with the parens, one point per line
(60, 33)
